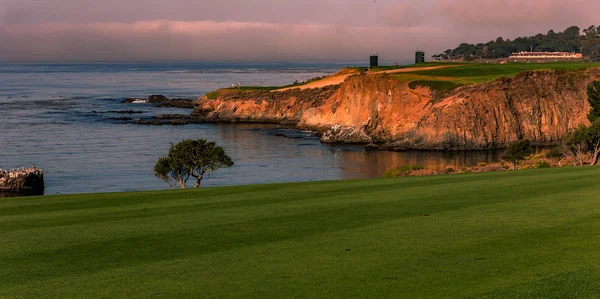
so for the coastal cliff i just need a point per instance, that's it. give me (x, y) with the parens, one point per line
(260, 106)
(377, 108)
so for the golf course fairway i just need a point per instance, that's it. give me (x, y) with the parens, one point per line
(523, 234)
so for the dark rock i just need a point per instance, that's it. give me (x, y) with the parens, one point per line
(177, 103)
(172, 116)
(372, 147)
(346, 134)
(121, 118)
(128, 100)
(161, 122)
(126, 112)
(118, 112)
(21, 182)
(157, 98)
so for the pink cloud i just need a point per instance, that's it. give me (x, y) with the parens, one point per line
(176, 40)
(517, 13)
(269, 30)
(404, 14)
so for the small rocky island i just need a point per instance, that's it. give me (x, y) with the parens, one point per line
(21, 182)
(159, 100)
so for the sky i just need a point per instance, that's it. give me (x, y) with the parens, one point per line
(268, 30)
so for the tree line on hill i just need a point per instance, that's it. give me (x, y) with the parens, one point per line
(571, 39)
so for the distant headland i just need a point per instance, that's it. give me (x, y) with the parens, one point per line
(569, 44)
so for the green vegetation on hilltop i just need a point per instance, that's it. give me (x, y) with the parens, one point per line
(442, 79)
(212, 95)
(268, 88)
(436, 85)
(570, 40)
(378, 68)
(446, 78)
(480, 72)
(271, 88)
(524, 234)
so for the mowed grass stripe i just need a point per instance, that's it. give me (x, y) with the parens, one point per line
(510, 69)
(169, 207)
(485, 232)
(444, 79)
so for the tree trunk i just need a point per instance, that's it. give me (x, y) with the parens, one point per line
(580, 157)
(181, 182)
(198, 179)
(515, 165)
(596, 154)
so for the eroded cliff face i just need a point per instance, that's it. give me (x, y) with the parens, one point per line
(541, 106)
(368, 109)
(260, 106)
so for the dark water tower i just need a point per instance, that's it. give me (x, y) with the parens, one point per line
(419, 56)
(374, 60)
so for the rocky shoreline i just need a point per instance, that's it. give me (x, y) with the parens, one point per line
(382, 113)
(162, 101)
(21, 182)
(387, 114)
(157, 101)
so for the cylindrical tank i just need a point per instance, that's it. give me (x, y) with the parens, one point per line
(419, 57)
(374, 61)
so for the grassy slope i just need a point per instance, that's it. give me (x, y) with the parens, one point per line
(456, 75)
(470, 73)
(522, 234)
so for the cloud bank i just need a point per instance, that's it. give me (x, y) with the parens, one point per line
(268, 30)
(208, 40)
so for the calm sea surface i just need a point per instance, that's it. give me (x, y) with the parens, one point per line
(49, 117)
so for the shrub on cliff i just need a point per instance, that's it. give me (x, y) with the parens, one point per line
(575, 146)
(542, 164)
(212, 95)
(555, 155)
(190, 158)
(593, 92)
(582, 145)
(517, 152)
(402, 171)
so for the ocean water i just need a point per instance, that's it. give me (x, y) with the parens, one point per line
(56, 117)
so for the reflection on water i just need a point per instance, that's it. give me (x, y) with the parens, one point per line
(362, 164)
(46, 119)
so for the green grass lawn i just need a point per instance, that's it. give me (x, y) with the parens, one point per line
(469, 73)
(526, 234)
(483, 70)
(455, 75)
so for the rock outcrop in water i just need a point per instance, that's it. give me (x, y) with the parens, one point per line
(162, 101)
(542, 106)
(19, 182)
